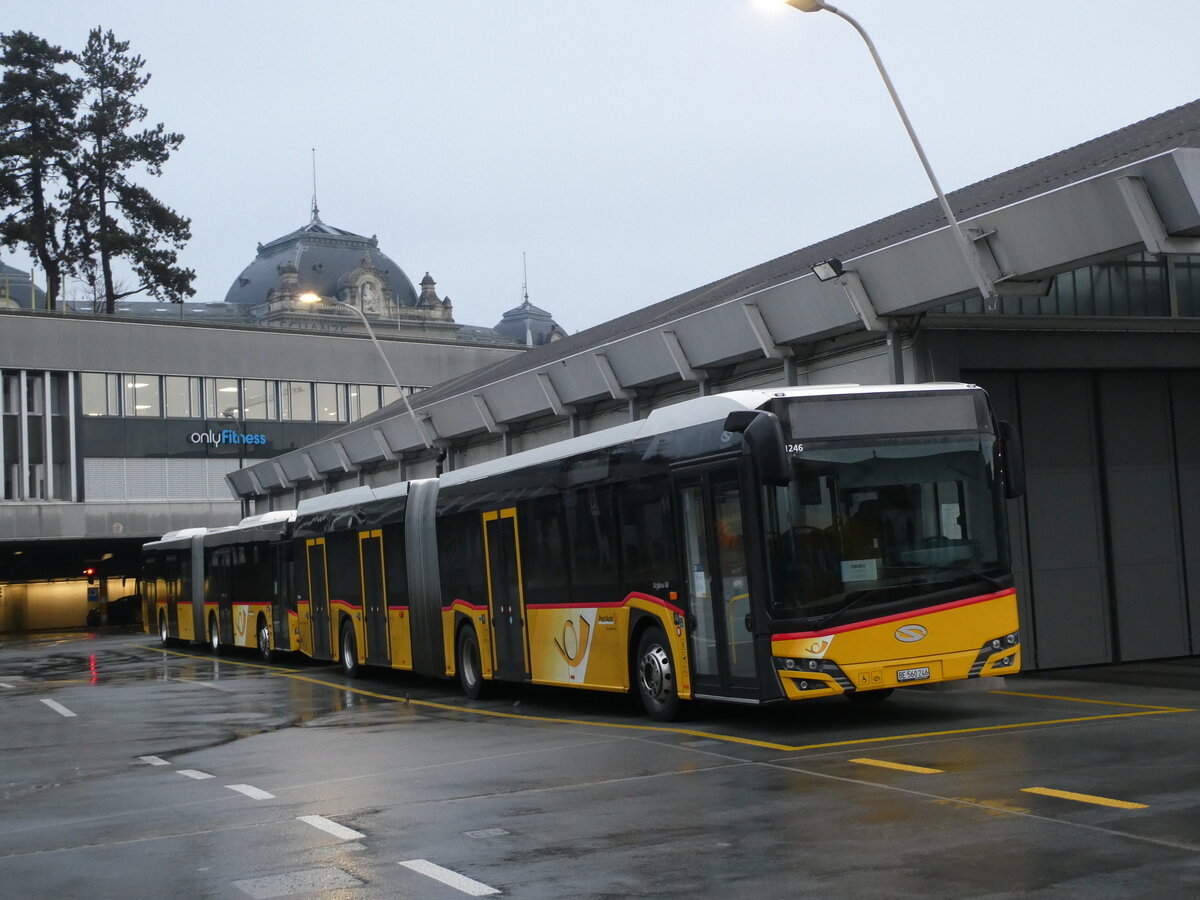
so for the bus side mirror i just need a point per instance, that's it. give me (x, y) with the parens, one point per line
(764, 439)
(1012, 461)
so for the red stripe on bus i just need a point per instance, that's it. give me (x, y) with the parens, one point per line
(855, 626)
(610, 604)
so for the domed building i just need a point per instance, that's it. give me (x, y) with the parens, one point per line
(529, 325)
(336, 264)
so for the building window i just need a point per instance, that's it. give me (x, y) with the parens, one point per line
(221, 398)
(331, 402)
(101, 394)
(34, 394)
(259, 399)
(364, 400)
(295, 401)
(182, 397)
(143, 395)
(10, 399)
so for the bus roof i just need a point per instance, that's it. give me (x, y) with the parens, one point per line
(696, 411)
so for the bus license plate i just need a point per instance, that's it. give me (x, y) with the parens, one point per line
(918, 674)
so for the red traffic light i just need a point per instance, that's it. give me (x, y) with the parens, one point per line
(91, 574)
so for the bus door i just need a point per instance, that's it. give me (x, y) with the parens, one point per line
(171, 582)
(374, 593)
(318, 598)
(720, 625)
(506, 594)
(283, 598)
(221, 573)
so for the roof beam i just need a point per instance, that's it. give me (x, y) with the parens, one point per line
(679, 357)
(762, 333)
(485, 413)
(615, 389)
(1148, 221)
(343, 456)
(556, 405)
(384, 447)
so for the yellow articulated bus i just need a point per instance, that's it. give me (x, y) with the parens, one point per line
(751, 547)
(223, 586)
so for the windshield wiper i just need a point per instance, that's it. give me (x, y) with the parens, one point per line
(849, 604)
(965, 570)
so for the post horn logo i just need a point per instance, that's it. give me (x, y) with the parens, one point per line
(569, 638)
(910, 634)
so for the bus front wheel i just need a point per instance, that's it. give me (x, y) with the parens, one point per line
(470, 669)
(350, 651)
(655, 672)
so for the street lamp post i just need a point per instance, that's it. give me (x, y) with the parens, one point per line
(984, 283)
(310, 297)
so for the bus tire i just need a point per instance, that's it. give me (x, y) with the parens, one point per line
(654, 672)
(469, 663)
(350, 664)
(164, 633)
(214, 635)
(870, 696)
(264, 639)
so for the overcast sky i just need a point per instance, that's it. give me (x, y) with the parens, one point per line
(632, 149)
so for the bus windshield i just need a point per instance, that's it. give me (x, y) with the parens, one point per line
(864, 525)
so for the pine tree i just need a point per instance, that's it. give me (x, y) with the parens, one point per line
(118, 218)
(38, 103)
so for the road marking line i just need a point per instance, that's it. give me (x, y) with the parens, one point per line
(59, 708)
(1085, 798)
(5, 684)
(250, 791)
(196, 773)
(901, 767)
(331, 827)
(154, 760)
(450, 878)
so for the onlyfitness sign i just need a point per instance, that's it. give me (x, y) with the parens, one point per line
(228, 436)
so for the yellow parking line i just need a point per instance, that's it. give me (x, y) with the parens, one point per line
(689, 732)
(1086, 700)
(901, 767)
(1085, 798)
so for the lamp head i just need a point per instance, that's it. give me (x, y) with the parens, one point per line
(806, 5)
(309, 297)
(828, 269)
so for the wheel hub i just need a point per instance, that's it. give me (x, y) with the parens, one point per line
(656, 673)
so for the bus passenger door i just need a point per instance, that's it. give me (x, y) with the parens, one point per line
(506, 594)
(318, 599)
(374, 592)
(720, 626)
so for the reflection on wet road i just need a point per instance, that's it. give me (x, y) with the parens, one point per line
(221, 776)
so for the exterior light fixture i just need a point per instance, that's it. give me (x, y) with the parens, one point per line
(310, 297)
(828, 269)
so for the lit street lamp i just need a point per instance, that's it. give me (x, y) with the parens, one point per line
(964, 244)
(310, 297)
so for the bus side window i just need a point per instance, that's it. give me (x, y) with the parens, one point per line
(647, 561)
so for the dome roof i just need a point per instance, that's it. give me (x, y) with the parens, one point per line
(17, 289)
(528, 324)
(321, 255)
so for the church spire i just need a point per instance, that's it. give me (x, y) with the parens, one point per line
(316, 213)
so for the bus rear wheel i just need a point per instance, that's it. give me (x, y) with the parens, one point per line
(470, 668)
(164, 634)
(350, 651)
(214, 635)
(655, 676)
(264, 640)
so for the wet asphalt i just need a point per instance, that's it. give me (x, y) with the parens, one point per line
(130, 771)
